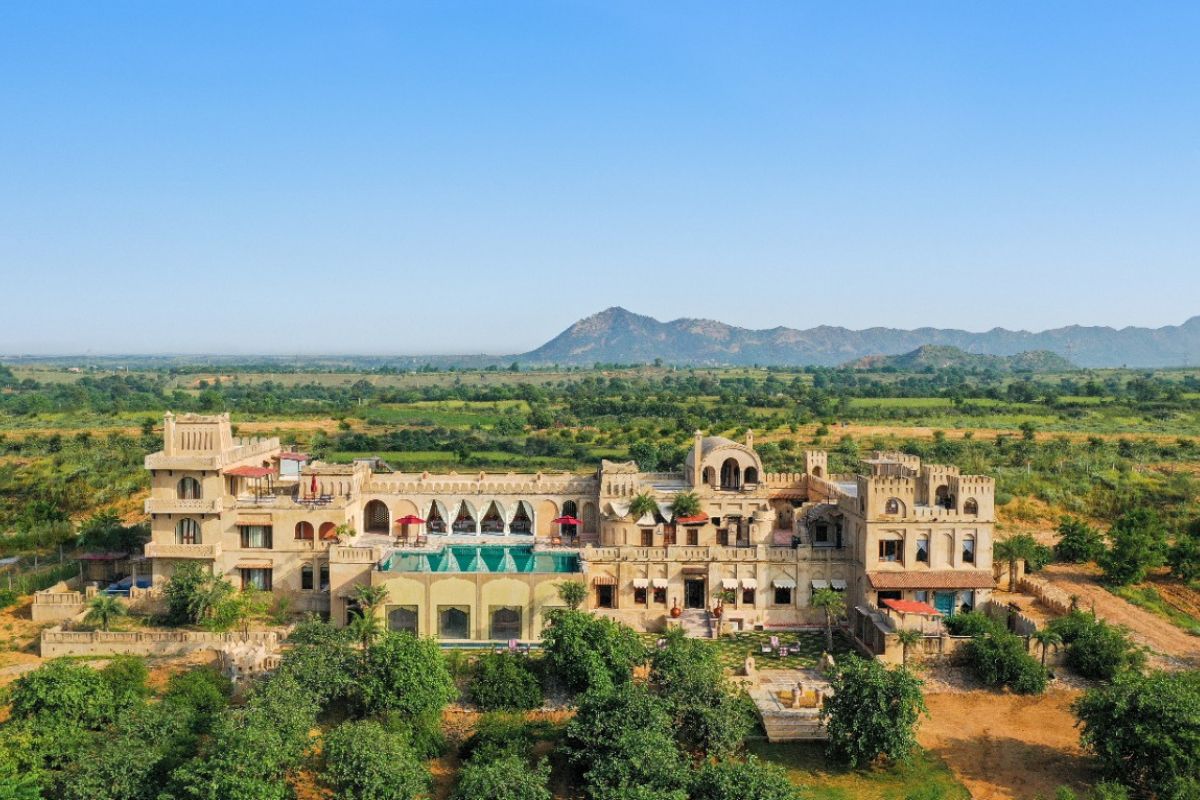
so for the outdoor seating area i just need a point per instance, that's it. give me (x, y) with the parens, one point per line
(515, 647)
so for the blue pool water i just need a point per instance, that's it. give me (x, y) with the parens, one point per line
(482, 558)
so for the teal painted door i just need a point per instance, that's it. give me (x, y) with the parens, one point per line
(944, 602)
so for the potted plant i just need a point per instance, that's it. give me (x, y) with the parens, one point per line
(721, 596)
(676, 611)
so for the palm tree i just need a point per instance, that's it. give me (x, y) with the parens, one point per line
(908, 637)
(685, 504)
(208, 594)
(642, 504)
(366, 629)
(834, 605)
(1047, 638)
(1014, 549)
(370, 598)
(102, 608)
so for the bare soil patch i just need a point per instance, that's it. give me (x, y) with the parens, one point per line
(1007, 747)
(1170, 646)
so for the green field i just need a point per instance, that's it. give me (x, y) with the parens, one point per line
(926, 777)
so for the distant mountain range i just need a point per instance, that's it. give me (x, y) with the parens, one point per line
(940, 356)
(616, 335)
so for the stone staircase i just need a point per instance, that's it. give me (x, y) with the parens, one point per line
(696, 623)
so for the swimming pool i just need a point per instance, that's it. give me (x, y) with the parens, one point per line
(482, 558)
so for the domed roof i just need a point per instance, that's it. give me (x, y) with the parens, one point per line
(710, 443)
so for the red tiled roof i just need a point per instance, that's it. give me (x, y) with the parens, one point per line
(695, 519)
(912, 607)
(250, 472)
(932, 579)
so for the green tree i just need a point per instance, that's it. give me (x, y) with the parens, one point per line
(370, 598)
(1078, 542)
(1145, 732)
(742, 780)
(708, 716)
(505, 682)
(193, 593)
(366, 628)
(406, 676)
(1096, 649)
(908, 638)
(585, 651)
(645, 454)
(506, 777)
(873, 713)
(365, 761)
(1139, 543)
(1184, 555)
(103, 609)
(573, 593)
(1000, 659)
(61, 690)
(1047, 638)
(834, 605)
(642, 504)
(127, 678)
(1014, 549)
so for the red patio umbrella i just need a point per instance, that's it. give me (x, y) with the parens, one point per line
(566, 520)
(312, 487)
(411, 519)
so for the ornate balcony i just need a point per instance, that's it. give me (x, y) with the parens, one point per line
(175, 505)
(172, 550)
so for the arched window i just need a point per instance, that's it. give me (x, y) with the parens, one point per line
(304, 530)
(941, 496)
(376, 518)
(751, 475)
(893, 506)
(971, 506)
(188, 489)
(522, 521)
(505, 623)
(187, 531)
(328, 531)
(710, 476)
(454, 622)
(403, 619)
(306, 578)
(817, 472)
(968, 551)
(731, 474)
(323, 583)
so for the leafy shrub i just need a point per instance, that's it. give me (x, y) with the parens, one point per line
(202, 693)
(1077, 541)
(365, 761)
(585, 651)
(972, 623)
(859, 734)
(407, 676)
(1139, 542)
(126, 677)
(507, 777)
(738, 780)
(505, 682)
(1101, 651)
(61, 690)
(1000, 659)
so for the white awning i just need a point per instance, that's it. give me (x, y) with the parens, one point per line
(818, 585)
(749, 583)
(659, 583)
(647, 521)
(837, 586)
(641, 583)
(617, 509)
(784, 583)
(729, 583)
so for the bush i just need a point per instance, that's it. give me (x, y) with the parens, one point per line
(1000, 659)
(406, 676)
(126, 677)
(1077, 541)
(63, 691)
(1101, 651)
(1184, 557)
(742, 780)
(364, 761)
(972, 623)
(1139, 543)
(585, 651)
(505, 682)
(1145, 733)
(201, 692)
(873, 713)
(507, 777)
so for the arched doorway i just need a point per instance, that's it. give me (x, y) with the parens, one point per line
(751, 475)
(304, 531)
(710, 476)
(327, 531)
(942, 496)
(188, 489)
(731, 474)
(376, 518)
(493, 519)
(435, 520)
(465, 521)
(591, 519)
(522, 521)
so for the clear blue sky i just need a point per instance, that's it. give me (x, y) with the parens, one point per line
(472, 177)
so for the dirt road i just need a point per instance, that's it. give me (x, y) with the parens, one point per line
(1171, 646)
(1007, 747)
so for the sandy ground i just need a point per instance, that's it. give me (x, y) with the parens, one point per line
(1170, 646)
(1007, 747)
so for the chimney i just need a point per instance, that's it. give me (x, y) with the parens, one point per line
(697, 454)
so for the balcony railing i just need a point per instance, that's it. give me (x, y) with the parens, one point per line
(172, 550)
(175, 505)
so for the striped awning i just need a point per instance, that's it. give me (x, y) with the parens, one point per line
(784, 583)
(659, 583)
(749, 583)
(641, 583)
(604, 580)
(254, 564)
(729, 583)
(245, 522)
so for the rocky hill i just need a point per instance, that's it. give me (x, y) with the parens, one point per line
(938, 356)
(620, 336)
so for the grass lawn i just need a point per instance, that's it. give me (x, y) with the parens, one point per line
(733, 648)
(924, 778)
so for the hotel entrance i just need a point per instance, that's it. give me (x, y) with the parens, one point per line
(693, 593)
